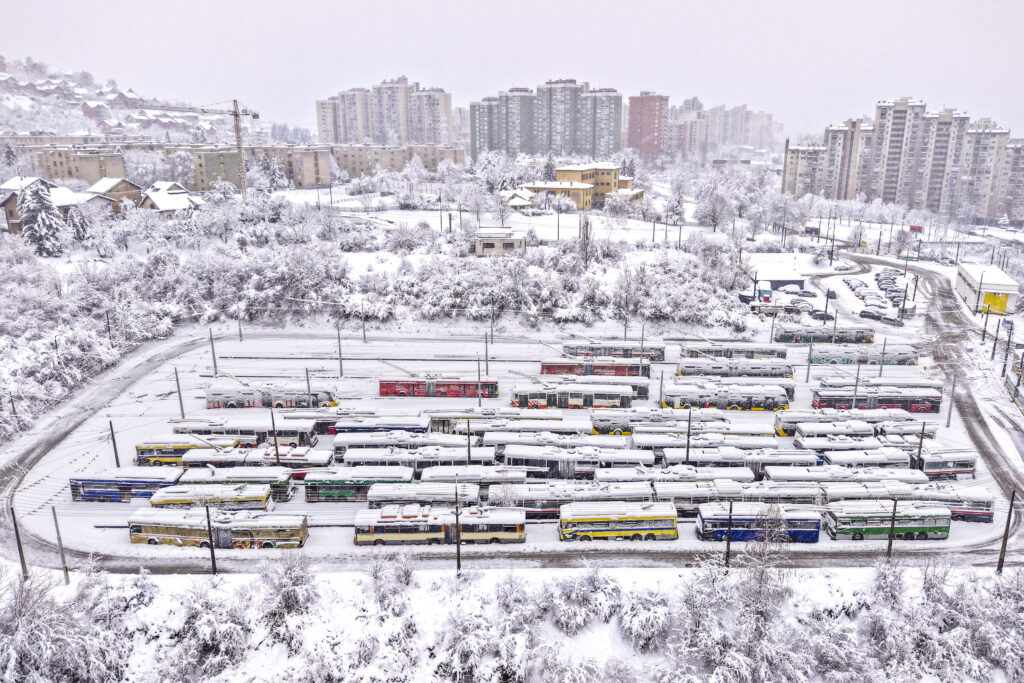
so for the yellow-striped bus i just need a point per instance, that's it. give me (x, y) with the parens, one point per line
(422, 524)
(169, 450)
(228, 529)
(655, 521)
(220, 496)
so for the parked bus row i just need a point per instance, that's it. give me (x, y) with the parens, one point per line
(911, 399)
(787, 421)
(739, 367)
(863, 354)
(726, 397)
(237, 395)
(813, 334)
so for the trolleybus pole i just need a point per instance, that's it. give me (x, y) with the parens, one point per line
(117, 461)
(273, 428)
(309, 390)
(60, 544)
(1006, 533)
(341, 367)
(892, 529)
(689, 418)
(458, 532)
(21, 551)
(209, 535)
(181, 403)
(881, 363)
(213, 353)
(952, 400)
(728, 536)
(810, 354)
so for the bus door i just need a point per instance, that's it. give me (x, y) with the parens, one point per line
(588, 366)
(561, 399)
(588, 400)
(524, 401)
(222, 537)
(431, 388)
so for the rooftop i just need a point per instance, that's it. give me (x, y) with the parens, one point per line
(988, 275)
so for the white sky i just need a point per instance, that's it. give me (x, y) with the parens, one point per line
(809, 63)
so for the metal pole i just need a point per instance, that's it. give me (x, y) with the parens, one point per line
(487, 356)
(273, 428)
(643, 330)
(1006, 533)
(309, 390)
(110, 337)
(21, 550)
(661, 390)
(458, 533)
(1006, 354)
(835, 326)
(479, 388)
(977, 300)
(362, 314)
(892, 529)
(881, 364)
(213, 353)
(903, 304)
(995, 341)
(856, 387)
(771, 334)
(984, 329)
(728, 536)
(469, 443)
(689, 420)
(181, 403)
(952, 400)
(341, 367)
(492, 323)
(240, 330)
(810, 354)
(60, 545)
(117, 461)
(920, 444)
(209, 536)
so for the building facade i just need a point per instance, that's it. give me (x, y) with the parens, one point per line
(392, 112)
(359, 160)
(648, 123)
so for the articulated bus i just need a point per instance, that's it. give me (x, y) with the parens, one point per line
(251, 430)
(673, 473)
(871, 519)
(237, 396)
(813, 334)
(416, 524)
(601, 521)
(757, 521)
(122, 485)
(576, 425)
(720, 427)
(658, 443)
(502, 440)
(732, 350)
(725, 367)
(828, 473)
(380, 495)
(908, 428)
(419, 459)
(726, 397)
(352, 483)
(169, 450)
(652, 351)
(886, 457)
(229, 530)
(624, 421)
(788, 385)
(381, 423)
(549, 462)
(544, 499)
(299, 460)
(223, 496)
(576, 396)
(487, 387)
(483, 476)
(966, 503)
(914, 400)
(343, 443)
(861, 354)
(616, 367)
(325, 419)
(447, 420)
(279, 479)
(837, 442)
(787, 420)
(830, 381)
(807, 430)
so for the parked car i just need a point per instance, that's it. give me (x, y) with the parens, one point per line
(822, 315)
(870, 314)
(746, 298)
(802, 305)
(892, 320)
(807, 293)
(789, 289)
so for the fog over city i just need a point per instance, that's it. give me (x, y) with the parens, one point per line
(809, 63)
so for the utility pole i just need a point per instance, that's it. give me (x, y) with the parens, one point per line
(60, 545)
(479, 388)
(209, 536)
(892, 530)
(362, 314)
(835, 326)
(492, 323)
(643, 330)
(181, 403)
(469, 443)
(458, 533)
(689, 422)
(309, 390)
(728, 536)
(213, 353)
(771, 334)
(1006, 533)
(903, 304)
(341, 367)
(856, 388)
(920, 442)
(21, 550)
(810, 354)
(881, 364)
(240, 330)
(661, 390)
(984, 328)
(977, 300)
(487, 356)
(273, 428)
(110, 337)
(1006, 354)
(952, 400)
(113, 441)
(995, 341)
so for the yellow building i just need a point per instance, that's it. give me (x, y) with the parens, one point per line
(581, 193)
(602, 175)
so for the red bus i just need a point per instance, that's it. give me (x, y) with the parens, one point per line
(463, 388)
(609, 367)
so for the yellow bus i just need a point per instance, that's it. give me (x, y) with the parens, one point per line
(229, 530)
(220, 496)
(654, 521)
(168, 450)
(422, 524)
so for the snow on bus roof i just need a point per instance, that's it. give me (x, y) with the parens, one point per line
(598, 360)
(396, 473)
(607, 510)
(134, 474)
(414, 513)
(398, 436)
(615, 343)
(581, 423)
(499, 412)
(421, 453)
(884, 508)
(197, 516)
(562, 488)
(944, 492)
(203, 441)
(616, 441)
(672, 439)
(884, 488)
(825, 473)
(673, 473)
(682, 489)
(470, 473)
(752, 509)
(883, 454)
(427, 489)
(414, 420)
(200, 475)
(209, 491)
(527, 451)
(555, 386)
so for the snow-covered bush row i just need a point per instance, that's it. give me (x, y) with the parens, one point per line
(749, 623)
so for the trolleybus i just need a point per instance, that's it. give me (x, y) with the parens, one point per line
(724, 367)
(452, 387)
(572, 396)
(914, 400)
(352, 483)
(168, 450)
(419, 459)
(550, 462)
(726, 397)
(787, 420)
(653, 351)
(732, 350)
(607, 366)
(757, 521)
(279, 479)
(122, 485)
(544, 499)
(436, 493)
(813, 334)
(601, 521)
(222, 496)
(229, 530)
(872, 519)
(423, 524)
(863, 354)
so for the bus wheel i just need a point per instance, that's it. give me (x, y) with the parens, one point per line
(379, 542)
(586, 538)
(858, 537)
(231, 404)
(495, 540)
(158, 463)
(922, 535)
(267, 544)
(152, 541)
(293, 444)
(279, 405)
(618, 432)
(204, 544)
(636, 537)
(649, 537)
(433, 541)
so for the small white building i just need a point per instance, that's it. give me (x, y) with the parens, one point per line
(166, 198)
(498, 242)
(986, 288)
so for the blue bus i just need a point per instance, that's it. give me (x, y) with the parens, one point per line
(123, 485)
(751, 522)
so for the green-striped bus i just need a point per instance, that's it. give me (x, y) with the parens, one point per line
(871, 519)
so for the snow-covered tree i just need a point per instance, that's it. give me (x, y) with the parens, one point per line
(41, 223)
(548, 175)
(178, 167)
(10, 158)
(277, 179)
(77, 224)
(414, 171)
(713, 208)
(499, 209)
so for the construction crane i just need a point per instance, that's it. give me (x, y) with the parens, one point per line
(234, 112)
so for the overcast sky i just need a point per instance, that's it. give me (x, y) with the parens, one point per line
(809, 63)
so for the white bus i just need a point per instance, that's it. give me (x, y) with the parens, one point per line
(436, 493)
(544, 499)
(550, 462)
(635, 521)
(673, 473)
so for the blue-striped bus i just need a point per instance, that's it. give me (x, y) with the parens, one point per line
(122, 485)
(757, 521)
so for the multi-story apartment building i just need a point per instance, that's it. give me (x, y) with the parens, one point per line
(460, 126)
(648, 123)
(561, 117)
(328, 121)
(431, 114)
(354, 115)
(390, 113)
(305, 165)
(359, 160)
(212, 163)
(88, 164)
(944, 158)
(1012, 182)
(803, 169)
(984, 153)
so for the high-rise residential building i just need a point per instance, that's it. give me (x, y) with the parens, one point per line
(561, 117)
(328, 123)
(460, 126)
(648, 123)
(395, 112)
(939, 161)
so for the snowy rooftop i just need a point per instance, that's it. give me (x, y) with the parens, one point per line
(989, 276)
(168, 196)
(20, 182)
(104, 185)
(559, 185)
(593, 166)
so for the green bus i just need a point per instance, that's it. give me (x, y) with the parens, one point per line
(857, 520)
(352, 483)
